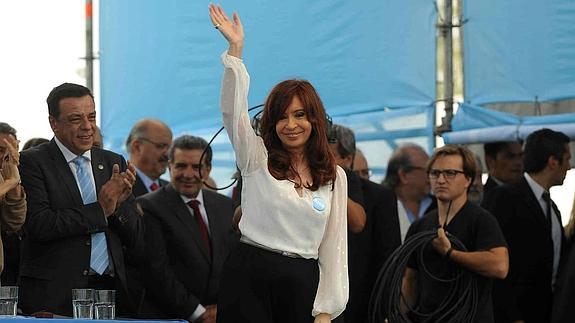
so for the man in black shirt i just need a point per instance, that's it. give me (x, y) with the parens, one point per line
(451, 172)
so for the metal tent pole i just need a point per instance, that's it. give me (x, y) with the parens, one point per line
(446, 29)
(89, 47)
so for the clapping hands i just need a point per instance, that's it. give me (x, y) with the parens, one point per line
(117, 189)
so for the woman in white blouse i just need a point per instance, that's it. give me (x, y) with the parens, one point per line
(292, 263)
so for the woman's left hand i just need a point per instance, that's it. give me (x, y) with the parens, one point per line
(232, 31)
(322, 318)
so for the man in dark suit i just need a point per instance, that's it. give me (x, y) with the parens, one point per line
(189, 235)
(80, 210)
(406, 176)
(368, 249)
(532, 227)
(148, 144)
(504, 162)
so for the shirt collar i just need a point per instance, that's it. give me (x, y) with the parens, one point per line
(200, 198)
(146, 180)
(537, 189)
(68, 155)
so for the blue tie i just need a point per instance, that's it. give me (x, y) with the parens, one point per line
(99, 255)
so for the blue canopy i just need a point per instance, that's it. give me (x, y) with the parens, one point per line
(517, 51)
(161, 59)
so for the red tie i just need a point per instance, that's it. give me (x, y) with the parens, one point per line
(154, 186)
(194, 204)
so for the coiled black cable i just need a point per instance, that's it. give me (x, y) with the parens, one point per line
(460, 304)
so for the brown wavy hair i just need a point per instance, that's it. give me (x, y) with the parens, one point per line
(317, 152)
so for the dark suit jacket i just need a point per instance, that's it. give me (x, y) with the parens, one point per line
(55, 251)
(490, 184)
(181, 273)
(369, 249)
(134, 263)
(526, 292)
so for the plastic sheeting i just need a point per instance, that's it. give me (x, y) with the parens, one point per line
(161, 58)
(519, 51)
(474, 124)
(379, 133)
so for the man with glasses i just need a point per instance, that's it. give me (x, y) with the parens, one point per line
(360, 166)
(451, 170)
(532, 226)
(80, 211)
(407, 178)
(148, 144)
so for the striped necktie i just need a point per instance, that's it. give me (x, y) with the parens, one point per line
(99, 254)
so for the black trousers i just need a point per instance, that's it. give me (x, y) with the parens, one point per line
(261, 286)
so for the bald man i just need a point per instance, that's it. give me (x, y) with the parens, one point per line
(148, 144)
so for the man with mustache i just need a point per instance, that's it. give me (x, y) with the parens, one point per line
(189, 235)
(148, 144)
(81, 211)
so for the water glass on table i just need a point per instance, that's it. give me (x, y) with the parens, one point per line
(105, 304)
(8, 300)
(83, 303)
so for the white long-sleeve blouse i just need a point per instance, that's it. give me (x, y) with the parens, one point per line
(273, 213)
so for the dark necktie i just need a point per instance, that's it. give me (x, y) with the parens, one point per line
(154, 186)
(547, 198)
(194, 204)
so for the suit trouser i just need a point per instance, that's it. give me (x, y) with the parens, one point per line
(261, 286)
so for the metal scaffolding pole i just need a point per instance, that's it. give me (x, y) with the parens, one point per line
(446, 29)
(89, 47)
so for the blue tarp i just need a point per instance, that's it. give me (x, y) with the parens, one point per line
(517, 51)
(161, 58)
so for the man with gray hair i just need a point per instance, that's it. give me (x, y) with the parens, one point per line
(367, 250)
(148, 144)
(189, 234)
(407, 177)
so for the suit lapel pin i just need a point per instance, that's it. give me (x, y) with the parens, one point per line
(100, 166)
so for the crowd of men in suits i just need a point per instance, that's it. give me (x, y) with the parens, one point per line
(94, 220)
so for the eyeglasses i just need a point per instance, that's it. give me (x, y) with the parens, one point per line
(447, 173)
(160, 146)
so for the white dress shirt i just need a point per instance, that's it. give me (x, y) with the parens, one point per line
(538, 190)
(274, 215)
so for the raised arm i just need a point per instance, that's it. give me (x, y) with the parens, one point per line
(248, 147)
